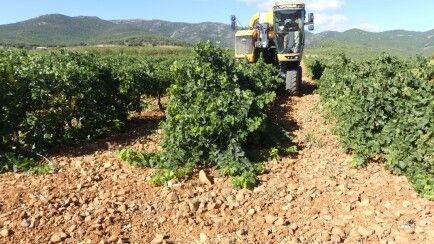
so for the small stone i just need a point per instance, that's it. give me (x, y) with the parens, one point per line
(72, 228)
(100, 211)
(204, 179)
(78, 164)
(172, 197)
(159, 239)
(239, 197)
(407, 229)
(402, 238)
(203, 237)
(388, 205)
(348, 217)
(5, 232)
(325, 236)
(293, 226)
(287, 207)
(67, 216)
(353, 234)
(430, 233)
(270, 219)
(289, 198)
(58, 237)
(251, 211)
(113, 239)
(347, 207)
(406, 204)
(25, 223)
(365, 202)
(194, 205)
(107, 165)
(258, 189)
(280, 222)
(418, 230)
(122, 192)
(338, 231)
(266, 232)
(225, 192)
(355, 198)
(327, 217)
(364, 231)
(336, 239)
(122, 208)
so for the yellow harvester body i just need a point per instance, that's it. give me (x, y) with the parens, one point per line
(278, 36)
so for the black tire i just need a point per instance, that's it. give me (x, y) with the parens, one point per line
(292, 83)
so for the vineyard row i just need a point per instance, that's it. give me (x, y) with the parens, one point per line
(384, 110)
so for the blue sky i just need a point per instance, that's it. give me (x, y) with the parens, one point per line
(373, 15)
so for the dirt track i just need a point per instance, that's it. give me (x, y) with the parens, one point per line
(315, 197)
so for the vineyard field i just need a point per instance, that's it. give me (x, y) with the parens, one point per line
(207, 122)
(149, 51)
(383, 109)
(192, 143)
(67, 97)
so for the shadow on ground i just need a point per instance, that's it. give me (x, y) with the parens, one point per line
(136, 128)
(308, 88)
(281, 111)
(145, 124)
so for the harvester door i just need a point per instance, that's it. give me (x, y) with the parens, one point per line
(245, 44)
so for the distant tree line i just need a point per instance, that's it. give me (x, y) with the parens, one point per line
(133, 42)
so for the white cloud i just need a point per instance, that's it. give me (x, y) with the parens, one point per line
(328, 14)
(324, 5)
(262, 5)
(314, 5)
(334, 22)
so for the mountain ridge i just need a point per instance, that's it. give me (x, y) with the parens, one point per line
(62, 30)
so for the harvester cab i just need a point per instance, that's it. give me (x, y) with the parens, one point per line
(278, 36)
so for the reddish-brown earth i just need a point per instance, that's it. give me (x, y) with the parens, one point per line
(315, 197)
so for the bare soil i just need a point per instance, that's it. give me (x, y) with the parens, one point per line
(314, 197)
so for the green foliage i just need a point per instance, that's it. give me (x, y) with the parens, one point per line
(385, 107)
(164, 175)
(355, 49)
(247, 179)
(69, 97)
(315, 67)
(216, 110)
(357, 162)
(274, 153)
(136, 158)
(152, 52)
(10, 161)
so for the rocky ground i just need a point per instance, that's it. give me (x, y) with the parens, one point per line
(314, 197)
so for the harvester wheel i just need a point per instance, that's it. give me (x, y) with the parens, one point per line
(292, 83)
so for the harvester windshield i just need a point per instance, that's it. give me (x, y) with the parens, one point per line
(289, 26)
